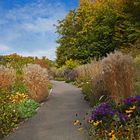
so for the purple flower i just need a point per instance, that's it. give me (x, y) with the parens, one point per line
(137, 98)
(130, 100)
(106, 111)
(123, 117)
(102, 112)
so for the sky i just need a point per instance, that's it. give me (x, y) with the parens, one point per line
(27, 26)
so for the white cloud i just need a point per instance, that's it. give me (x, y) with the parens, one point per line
(29, 30)
(49, 53)
(35, 17)
(41, 25)
(4, 47)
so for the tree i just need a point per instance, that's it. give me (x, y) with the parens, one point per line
(97, 28)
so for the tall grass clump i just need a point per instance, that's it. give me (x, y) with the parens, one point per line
(36, 79)
(89, 78)
(137, 75)
(57, 73)
(137, 67)
(7, 76)
(88, 71)
(118, 72)
(110, 77)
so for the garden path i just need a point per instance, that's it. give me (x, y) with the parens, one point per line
(54, 120)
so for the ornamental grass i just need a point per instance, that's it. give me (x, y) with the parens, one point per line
(118, 73)
(7, 76)
(89, 70)
(36, 79)
(110, 77)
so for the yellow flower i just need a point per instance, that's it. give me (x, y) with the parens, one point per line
(129, 115)
(76, 122)
(111, 133)
(18, 97)
(132, 108)
(96, 123)
(129, 111)
(112, 137)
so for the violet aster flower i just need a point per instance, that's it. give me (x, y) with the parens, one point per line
(123, 117)
(130, 100)
(137, 98)
(103, 112)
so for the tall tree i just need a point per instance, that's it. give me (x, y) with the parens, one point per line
(97, 28)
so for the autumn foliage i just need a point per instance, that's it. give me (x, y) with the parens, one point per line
(96, 28)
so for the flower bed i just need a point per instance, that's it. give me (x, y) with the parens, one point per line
(20, 94)
(116, 121)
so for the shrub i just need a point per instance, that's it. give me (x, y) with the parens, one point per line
(58, 73)
(50, 85)
(71, 64)
(90, 78)
(36, 79)
(99, 91)
(7, 76)
(42, 63)
(118, 70)
(27, 108)
(19, 87)
(53, 72)
(87, 90)
(70, 75)
(9, 115)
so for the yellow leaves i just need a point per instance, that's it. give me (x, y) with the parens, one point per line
(128, 111)
(95, 123)
(71, 64)
(18, 98)
(132, 108)
(112, 135)
(76, 122)
(84, 2)
(129, 115)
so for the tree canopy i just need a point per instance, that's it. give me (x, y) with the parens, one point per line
(96, 28)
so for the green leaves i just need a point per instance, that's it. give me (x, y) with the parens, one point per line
(12, 114)
(27, 108)
(19, 87)
(9, 115)
(97, 28)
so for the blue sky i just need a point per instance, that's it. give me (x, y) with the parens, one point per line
(26, 26)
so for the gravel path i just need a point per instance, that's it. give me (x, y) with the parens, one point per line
(54, 118)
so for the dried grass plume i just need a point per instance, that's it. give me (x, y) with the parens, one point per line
(36, 79)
